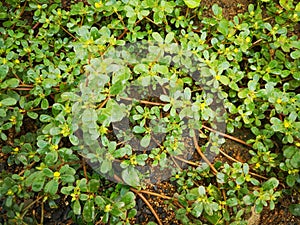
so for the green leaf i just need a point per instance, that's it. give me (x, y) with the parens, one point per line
(32, 115)
(138, 129)
(10, 83)
(51, 187)
(38, 184)
(146, 140)
(213, 219)
(240, 180)
(44, 104)
(289, 151)
(295, 54)
(197, 210)
(73, 139)
(51, 158)
(76, 207)
(157, 37)
(216, 10)
(140, 68)
(131, 177)
(47, 172)
(67, 190)
(201, 190)
(129, 199)
(270, 184)
(45, 118)
(67, 178)
(165, 98)
(192, 3)
(224, 80)
(223, 27)
(116, 88)
(100, 201)
(89, 211)
(295, 160)
(117, 111)
(93, 185)
(106, 166)
(295, 209)
(232, 202)
(169, 38)
(208, 209)
(132, 213)
(3, 15)
(161, 69)
(291, 180)
(8, 101)
(3, 71)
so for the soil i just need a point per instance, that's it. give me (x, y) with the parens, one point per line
(230, 7)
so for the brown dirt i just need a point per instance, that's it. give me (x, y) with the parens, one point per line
(230, 7)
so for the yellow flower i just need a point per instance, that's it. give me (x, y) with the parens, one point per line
(13, 120)
(286, 124)
(108, 208)
(67, 109)
(53, 147)
(202, 105)
(10, 192)
(56, 174)
(278, 101)
(65, 130)
(98, 5)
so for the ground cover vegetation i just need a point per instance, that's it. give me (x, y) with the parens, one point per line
(63, 140)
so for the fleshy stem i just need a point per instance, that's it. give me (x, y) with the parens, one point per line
(203, 156)
(227, 136)
(148, 204)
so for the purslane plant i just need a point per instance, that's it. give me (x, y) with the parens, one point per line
(250, 65)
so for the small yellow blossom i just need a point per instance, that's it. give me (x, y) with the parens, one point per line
(108, 208)
(53, 147)
(98, 5)
(202, 105)
(56, 174)
(286, 124)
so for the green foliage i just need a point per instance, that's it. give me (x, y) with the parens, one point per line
(192, 3)
(250, 64)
